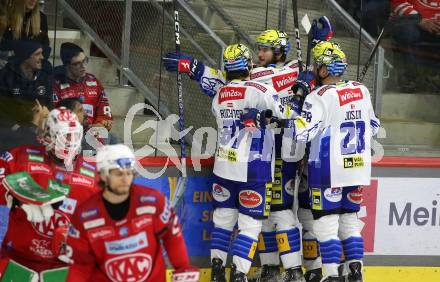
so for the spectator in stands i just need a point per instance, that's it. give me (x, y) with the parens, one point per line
(74, 104)
(22, 78)
(71, 80)
(24, 20)
(3, 16)
(30, 117)
(3, 26)
(374, 13)
(416, 29)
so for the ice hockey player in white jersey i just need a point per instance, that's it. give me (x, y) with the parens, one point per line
(275, 70)
(243, 162)
(339, 121)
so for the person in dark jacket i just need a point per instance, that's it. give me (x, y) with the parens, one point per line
(30, 122)
(22, 78)
(24, 21)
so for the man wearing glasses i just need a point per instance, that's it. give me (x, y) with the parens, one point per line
(71, 80)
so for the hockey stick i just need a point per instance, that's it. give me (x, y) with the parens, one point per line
(370, 58)
(180, 187)
(297, 37)
(160, 76)
(309, 48)
(267, 14)
(360, 38)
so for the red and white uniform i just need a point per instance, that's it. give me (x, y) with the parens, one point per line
(428, 9)
(91, 93)
(30, 243)
(128, 249)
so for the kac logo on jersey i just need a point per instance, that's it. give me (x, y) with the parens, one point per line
(46, 228)
(132, 267)
(127, 245)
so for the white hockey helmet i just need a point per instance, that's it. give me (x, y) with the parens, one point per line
(62, 134)
(117, 156)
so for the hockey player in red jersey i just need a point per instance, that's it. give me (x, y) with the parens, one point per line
(29, 237)
(72, 81)
(116, 235)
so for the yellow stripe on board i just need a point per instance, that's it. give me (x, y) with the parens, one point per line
(401, 274)
(172, 181)
(372, 274)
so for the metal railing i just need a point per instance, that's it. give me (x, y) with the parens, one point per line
(129, 33)
(369, 42)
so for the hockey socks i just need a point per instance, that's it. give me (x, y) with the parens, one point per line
(220, 242)
(244, 250)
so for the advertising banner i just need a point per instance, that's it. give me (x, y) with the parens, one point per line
(407, 217)
(195, 212)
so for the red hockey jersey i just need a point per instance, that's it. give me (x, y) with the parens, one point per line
(128, 249)
(428, 9)
(91, 93)
(30, 243)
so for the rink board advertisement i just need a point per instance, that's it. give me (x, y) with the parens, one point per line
(396, 213)
(400, 215)
(407, 217)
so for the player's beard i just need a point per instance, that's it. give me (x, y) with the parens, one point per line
(119, 192)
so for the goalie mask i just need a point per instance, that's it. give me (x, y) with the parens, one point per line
(117, 156)
(62, 134)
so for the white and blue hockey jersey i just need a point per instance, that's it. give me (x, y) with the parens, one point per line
(241, 155)
(339, 121)
(280, 77)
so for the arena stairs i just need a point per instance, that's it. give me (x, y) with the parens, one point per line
(411, 121)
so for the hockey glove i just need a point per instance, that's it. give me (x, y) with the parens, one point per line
(305, 83)
(322, 30)
(253, 119)
(186, 274)
(184, 63)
